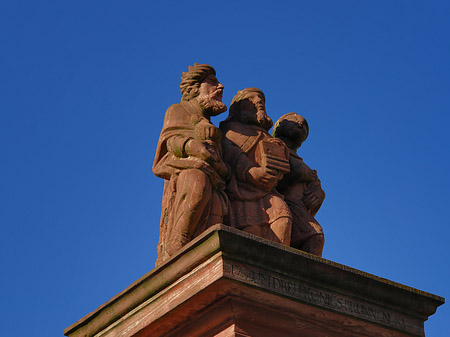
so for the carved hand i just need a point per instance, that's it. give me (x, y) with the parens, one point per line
(221, 168)
(262, 177)
(313, 198)
(206, 131)
(196, 148)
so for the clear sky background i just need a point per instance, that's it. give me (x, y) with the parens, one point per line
(83, 90)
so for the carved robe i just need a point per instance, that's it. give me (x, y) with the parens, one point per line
(191, 185)
(294, 186)
(250, 205)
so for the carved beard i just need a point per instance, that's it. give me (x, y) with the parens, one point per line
(211, 104)
(263, 120)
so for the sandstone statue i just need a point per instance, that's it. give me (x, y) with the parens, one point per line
(301, 187)
(189, 159)
(257, 162)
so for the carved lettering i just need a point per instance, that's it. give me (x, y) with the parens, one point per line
(315, 296)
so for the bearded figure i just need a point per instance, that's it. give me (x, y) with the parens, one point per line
(189, 159)
(257, 162)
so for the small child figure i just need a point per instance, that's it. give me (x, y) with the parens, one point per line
(301, 187)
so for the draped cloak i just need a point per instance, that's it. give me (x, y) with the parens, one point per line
(171, 159)
(293, 186)
(250, 204)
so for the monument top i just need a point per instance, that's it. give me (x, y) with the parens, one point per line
(237, 226)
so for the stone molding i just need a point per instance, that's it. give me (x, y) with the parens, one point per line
(226, 270)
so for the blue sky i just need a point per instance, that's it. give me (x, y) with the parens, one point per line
(84, 87)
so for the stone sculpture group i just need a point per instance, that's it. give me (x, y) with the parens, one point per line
(237, 174)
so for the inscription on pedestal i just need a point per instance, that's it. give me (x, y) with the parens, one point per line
(320, 297)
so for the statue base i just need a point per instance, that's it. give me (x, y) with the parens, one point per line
(230, 283)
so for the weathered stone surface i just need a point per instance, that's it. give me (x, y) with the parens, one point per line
(300, 187)
(230, 283)
(230, 175)
(189, 159)
(257, 162)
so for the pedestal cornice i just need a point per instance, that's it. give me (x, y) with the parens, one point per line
(231, 273)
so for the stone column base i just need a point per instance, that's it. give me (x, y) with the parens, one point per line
(230, 283)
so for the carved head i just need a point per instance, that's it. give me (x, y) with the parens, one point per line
(200, 82)
(292, 128)
(249, 107)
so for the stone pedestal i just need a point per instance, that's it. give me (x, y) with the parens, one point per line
(230, 283)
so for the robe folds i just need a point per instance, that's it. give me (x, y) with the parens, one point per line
(294, 186)
(250, 205)
(182, 123)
